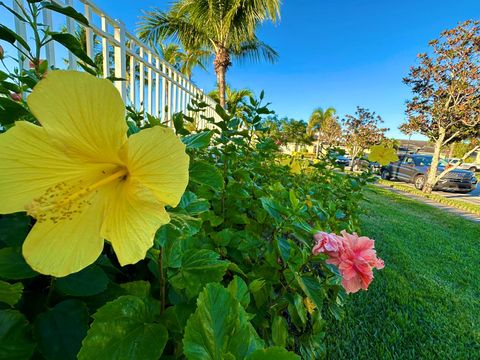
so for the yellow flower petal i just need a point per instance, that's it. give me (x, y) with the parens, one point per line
(382, 154)
(84, 113)
(156, 157)
(132, 217)
(29, 165)
(67, 246)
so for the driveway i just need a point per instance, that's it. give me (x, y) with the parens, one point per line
(472, 197)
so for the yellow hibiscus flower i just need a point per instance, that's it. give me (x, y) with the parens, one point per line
(382, 154)
(83, 180)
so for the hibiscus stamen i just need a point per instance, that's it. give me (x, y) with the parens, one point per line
(62, 201)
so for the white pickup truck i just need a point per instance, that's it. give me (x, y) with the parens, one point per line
(467, 165)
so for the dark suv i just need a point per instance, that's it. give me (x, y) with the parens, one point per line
(414, 169)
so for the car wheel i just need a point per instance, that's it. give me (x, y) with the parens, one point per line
(473, 169)
(419, 182)
(385, 174)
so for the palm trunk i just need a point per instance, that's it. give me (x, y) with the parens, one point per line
(432, 172)
(221, 84)
(318, 145)
(221, 64)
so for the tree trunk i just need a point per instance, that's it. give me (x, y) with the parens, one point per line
(432, 172)
(221, 64)
(318, 145)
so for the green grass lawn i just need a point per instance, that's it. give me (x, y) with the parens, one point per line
(425, 303)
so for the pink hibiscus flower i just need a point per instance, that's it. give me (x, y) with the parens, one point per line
(326, 243)
(354, 256)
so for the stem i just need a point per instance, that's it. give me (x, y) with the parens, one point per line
(50, 291)
(161, 281)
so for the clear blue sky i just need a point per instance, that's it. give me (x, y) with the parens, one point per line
(334, 53)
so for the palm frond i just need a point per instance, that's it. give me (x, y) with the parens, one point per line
(255, 50)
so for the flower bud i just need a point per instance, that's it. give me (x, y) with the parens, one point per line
(38, 62)
(15, 97)
(2, 53)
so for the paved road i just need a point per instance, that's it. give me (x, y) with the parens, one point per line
(473, 197)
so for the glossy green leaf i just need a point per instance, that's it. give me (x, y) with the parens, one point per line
(199, 140)
(279, 331)
(203, 173)
(16, 342)
(11, 36)
(219, 328)
(60, 330)
(199, 267)
(10, 293)
(14, 229)
(273, 353)
(67, 10)
(274, 209)
(125, 328)
(239, 290)
(89, 281)
(72, 44)
(13, 265)
(11, 111)
(312, 288)
(192, 204)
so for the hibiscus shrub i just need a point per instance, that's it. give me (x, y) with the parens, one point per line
(249, 266)
(235, 273)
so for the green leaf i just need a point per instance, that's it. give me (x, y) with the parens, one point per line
(60, 330)
(293, 198)
(132, 128)
(13, 265)
(90, 281)
(10, 293)
(239, 290)
(199, 267)
(11, 111)
(125, 329)
(273, 353)
(178, 124)
(202, 172)
(67, 10)
(3, 76)
(192, 204)
(14, 229)
(312, 287)
(72, 44)
(16, 342)
(11, 36)
(274, 210)
(279, 331)
(224, 237)
(138, 288)
(175, 317)
(219, 329)
(199, 140)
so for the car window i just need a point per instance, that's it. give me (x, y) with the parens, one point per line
(408, 160)
(423, 160)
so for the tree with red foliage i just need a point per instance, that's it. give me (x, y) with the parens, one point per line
(446, 93)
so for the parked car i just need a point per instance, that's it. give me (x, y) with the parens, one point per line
(343, 160)
(363, 164)
(469, 165)
(414, 169)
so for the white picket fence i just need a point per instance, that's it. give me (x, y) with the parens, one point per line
(152, 85)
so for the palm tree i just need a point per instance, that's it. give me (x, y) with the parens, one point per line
(186, 61)
(234, 100)
(318, 117)
(225, 28)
